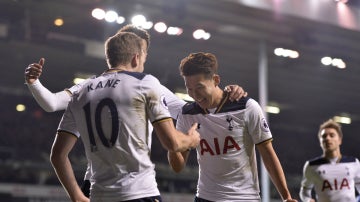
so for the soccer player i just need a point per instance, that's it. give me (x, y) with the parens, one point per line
(51, 102)
(333, 176)
(111, 114)
(229, 132)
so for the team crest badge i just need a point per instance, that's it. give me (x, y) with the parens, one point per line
(230, 120)
(264, 125)
(163, 102)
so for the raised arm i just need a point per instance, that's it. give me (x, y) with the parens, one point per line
(47, 100)
(275, 170)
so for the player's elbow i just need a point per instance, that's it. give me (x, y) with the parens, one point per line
(54, 158)
(177, 169)
(48, 107)
(305, 195)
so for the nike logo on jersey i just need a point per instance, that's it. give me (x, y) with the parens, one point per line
(110, 83)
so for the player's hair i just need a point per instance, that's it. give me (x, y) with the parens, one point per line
(142, 33)
(120, 48)
(199, 63)
(331, 124)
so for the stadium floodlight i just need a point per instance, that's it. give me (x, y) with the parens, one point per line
(174, 31)
(198, 34)
(138, 20)
(160, 27)
(98, 13)
(111, 16)
(326, 60)
(120, 20)
(201, 34)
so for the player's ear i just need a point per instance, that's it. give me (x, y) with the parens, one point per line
(216, 79)
(135, 61)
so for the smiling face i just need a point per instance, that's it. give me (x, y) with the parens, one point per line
(199, 71)
(204, 90)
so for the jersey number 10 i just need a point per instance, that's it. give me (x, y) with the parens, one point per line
(107, 102)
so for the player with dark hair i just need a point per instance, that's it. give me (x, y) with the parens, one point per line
(51, 102)
(229, 131)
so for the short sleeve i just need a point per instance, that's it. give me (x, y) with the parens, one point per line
(156, 100)
(174, 103)
(68, 123)
(182, 124)
(256, 123)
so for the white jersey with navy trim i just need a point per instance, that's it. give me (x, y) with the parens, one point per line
(111, 113)
(174, 104)
(226, 153)
(333, 182)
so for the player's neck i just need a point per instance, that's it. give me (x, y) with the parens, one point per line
(332, 154)
(119, 69)
(218, 96)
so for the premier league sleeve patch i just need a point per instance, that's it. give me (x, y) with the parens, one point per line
(163, 102)
(264, 125)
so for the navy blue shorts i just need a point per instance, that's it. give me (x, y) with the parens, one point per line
(201, 200)
(147, 199)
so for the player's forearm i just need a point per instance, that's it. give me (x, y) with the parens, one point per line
(49, 101)
(278, 177)
(179, 143)
(177, 160)
(274, 168)
(185, 142)
(64, 171)
(305, 195)
(172, 139)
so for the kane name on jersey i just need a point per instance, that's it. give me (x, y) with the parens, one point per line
(110, 83)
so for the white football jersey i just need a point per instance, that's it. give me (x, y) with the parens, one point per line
(226, 153)
(334, 182)
(111, 114)
(174, 104)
